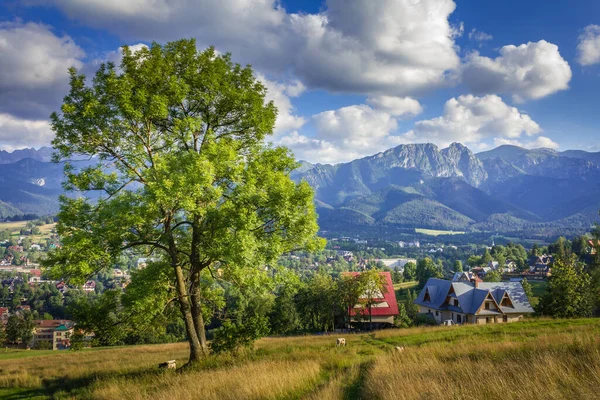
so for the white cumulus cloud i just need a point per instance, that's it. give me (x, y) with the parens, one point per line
(33, 68)
(588, 48)
(360, 130)
(394, 47)
(16, 133)
(280, 94)
(396, 106)
(479, 36)
(472, 120)
(539, 142)
(529, 71)
(345, 134)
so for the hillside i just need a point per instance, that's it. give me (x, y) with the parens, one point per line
(453, 188)
(538, 359)
(507, 189)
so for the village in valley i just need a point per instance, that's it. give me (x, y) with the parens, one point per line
(465, 284)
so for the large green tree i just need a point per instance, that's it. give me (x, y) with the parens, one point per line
(176, 137)
(374, 288)
(426, 269)
(569, 293)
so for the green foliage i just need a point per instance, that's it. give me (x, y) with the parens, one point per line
(527, 289)
(487, 257)
(3, 338)
(458, 267)
(474, 261)
(493, 276)
(410, 271)
(318, 303)
(233, 336)
(426, 269)
(569, 293)
(19, 328)
(397, 276)
(100, 316)
(192, 180)
(408, 311)
(373, 286)
(43, 345)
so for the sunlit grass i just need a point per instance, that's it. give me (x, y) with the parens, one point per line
(554, 358)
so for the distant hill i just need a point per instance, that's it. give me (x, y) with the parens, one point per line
(421, 186)
(506, 189)
(43, 154)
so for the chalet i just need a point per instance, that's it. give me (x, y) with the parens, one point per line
(62, 287)
(385, 308)
(480, 271)
(465, 277)
(473, 302)
(540, 265)
(510, 266)
(493, 265)
(89, 287)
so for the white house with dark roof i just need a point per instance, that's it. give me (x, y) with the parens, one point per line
(473, 302)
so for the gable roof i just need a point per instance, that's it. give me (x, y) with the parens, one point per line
(389, 297)
(471, 298)
(515, 292)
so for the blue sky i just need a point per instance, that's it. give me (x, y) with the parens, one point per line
(350, 78)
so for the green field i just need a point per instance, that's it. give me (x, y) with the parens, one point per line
(434, 232)
(536, 359)
(15, 227)
(402, 289)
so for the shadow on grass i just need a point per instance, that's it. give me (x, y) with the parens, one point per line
(78, 387)
(354, 390)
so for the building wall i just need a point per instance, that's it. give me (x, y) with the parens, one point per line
(426, 310)
(389, 319)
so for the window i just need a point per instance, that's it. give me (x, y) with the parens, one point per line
(505, 318)
(487, 305)
(426, 297)
(437, 313)
(458, 318)
(487, 320)
(456, 302)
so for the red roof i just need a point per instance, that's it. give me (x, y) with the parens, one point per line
(389, 297)
(36, 272)
(50, 323)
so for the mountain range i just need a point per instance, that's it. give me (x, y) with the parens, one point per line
(507, 189)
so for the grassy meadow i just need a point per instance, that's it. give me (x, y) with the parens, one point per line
(436, 232)
(537, 359)
(15, 228)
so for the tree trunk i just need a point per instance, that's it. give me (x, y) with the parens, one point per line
(196, 352)
(197, 316)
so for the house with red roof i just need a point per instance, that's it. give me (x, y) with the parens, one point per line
(384, 306)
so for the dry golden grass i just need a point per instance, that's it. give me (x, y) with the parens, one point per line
(543, 359)
(257, 380)
(554, 367)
